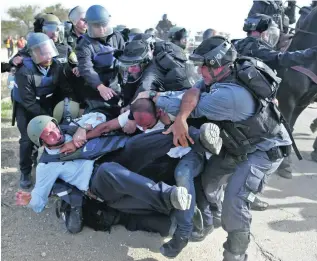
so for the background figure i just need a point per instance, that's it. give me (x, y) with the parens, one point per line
(9, 46)
(21, 43)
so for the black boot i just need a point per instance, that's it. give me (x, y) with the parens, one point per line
(200, 235)
(74, 219)
(259, 205)
(173, 247)
(25, 181)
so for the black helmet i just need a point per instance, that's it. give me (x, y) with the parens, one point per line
(208, 33)
(178, 35)
(214, 52)
(137, 54)
(257, 22)
(149, 39)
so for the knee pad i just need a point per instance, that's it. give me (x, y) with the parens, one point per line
(237, 242)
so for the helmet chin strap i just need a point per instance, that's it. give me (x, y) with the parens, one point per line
(217, 78)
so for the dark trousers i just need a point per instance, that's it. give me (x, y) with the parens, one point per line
(130, 192)
(10, 52)
(26, 145)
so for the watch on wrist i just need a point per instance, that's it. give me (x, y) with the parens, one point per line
(152, 94)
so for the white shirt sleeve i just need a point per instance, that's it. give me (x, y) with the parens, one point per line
(123, 118)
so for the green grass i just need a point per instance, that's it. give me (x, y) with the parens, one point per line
(6, 110)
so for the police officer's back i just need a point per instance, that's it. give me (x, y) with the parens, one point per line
(263, 35)
(96, 62)
(167, 71)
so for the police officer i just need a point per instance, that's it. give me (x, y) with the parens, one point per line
(209, 33)
(163, 27)
(124, 32)
(96, 61)
(263, 35)
(78, 25)
(40, 83)
(275, 9)
(246, 156)
(51, 26)
(179, 36)
(134, 60)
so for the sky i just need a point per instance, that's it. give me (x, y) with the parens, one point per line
(222, 15)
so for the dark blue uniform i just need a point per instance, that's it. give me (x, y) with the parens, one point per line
(96, 66)
(37, 93)
(254, 47)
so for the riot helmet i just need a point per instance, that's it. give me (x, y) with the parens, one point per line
(53, 27)
(41, 48)
(133, 32)
(133, 61)
(209, 33)
(98, 21)
(214, 52)
(178, 35)
(77, 18)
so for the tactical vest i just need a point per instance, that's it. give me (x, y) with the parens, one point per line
(171, 60)
(102, 57)
(240, 138)
(92, 150)
(44, 85)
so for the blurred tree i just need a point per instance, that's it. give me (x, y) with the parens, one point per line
(58, 10)
(24, 14)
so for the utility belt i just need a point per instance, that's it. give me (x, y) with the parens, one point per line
(274, 154)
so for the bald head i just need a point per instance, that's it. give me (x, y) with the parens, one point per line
(144, 113)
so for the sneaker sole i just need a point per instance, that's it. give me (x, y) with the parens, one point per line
(209, 137)
(180, 198)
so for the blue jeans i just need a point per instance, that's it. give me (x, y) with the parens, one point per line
(187, 169)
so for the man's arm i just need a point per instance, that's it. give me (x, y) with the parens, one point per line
(37, 199)
(105, 127)
(276, 59)
(180, 127)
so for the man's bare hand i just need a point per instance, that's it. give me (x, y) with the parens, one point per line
(105, 92)
(68, 148)
(80, 138)
(17, 60)
(129, 127)
(180, 131)
(22, 198)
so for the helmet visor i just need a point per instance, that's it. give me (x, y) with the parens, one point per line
(271, 36)
(192, 72)
(43, 52)
(99, 30)
(130, 73)
(54, 31)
